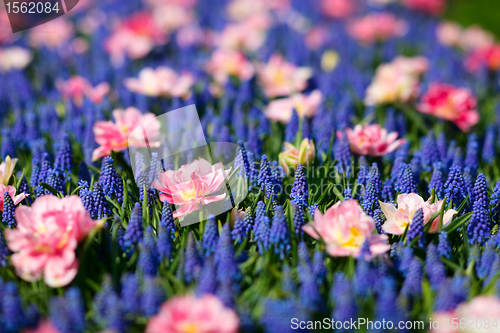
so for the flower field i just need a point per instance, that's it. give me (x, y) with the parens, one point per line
(190, 166)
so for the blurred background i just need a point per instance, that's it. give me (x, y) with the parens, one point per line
(485, 13)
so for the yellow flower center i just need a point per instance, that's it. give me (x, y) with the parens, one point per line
(279, 78)
(189, 328)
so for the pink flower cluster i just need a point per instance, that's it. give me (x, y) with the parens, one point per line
(116, 136)
(451, 103)
(376, 28)
(77, 88)
(338, 9)
(281, 78)
(46, 237)
(190, 186)
(344, 228)
(372, 140)
(485, 57)
(397, 81)
(162, 81)
(226, 63)
(305, 105)
(431, 7)
(182, 314)
(398, 218)
(469, 39)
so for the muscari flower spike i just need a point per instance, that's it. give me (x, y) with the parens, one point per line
(210, 236)
(300, 190)
(8, 215)
(406, 183)
(373, 189)
(416, 229)
(280, 236)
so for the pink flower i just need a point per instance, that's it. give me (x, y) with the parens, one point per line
(316, 37)
(281, 78)
(372, 140)
(478, 310)
(376, 28)
(431, 7)
(170, 16)
(190, 186)
(135, 38)
(408, 204)
(205, 314)
(44, 326)
(398, 81)
(475, 37)
(116, 136)
(225, 63)
(305, 105)
(449, 33)
(240, 36)
(161, 81)
(344, 228)
(448, 102)
(46, 238)
(485, 57)
(291, 157)
(52, 34)
(77, 87)
(12, 192)
(338, 8)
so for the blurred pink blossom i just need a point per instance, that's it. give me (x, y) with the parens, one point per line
(344, 228)
(44, 326)
(316, 37)
(398, 218)
(77, 88)
(52, 34)
(398, 81)
(190, 186)
(46, 237)
(170, 17)
(372, 140)
(205, 314)
(281, 78)
(338, 9)
(240, 36)
(226, 63)
(14, 57)
(305, 105)
(448, 102)
(430, 7)
(376, 28)
(449, 33)
(135, 37)
(162, 81)
(485, 57)
(475, 37)
(115, 136)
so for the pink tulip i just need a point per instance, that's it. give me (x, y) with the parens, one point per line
(449, 33)
(470, 317)
(206, 314)
(398, 218)
(448, 102)
(240, 36)
(190, 186)
(14, 57)
(116, 136)
(376, 28)
(226, 63)
(398, 81)
(77, 87)
(281, 78)
(485, 57)
(372, 140)
(52, 34)
(44, 326)
(316, 37)
(430, 7)
(12, 192)
(46, 238)
(305, 105)
(135, 38)
(338, 9)
(161, 81)
(170, 17)
(291, 157)
(474, 37)
(344, 228)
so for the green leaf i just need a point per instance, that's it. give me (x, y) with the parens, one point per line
(457, 223)
(49, 188)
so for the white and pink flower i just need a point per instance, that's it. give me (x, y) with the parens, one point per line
(226, 63)
(191, 185)
(206, 314)
(451, 103)
(345, 227)
(15, 57)
(281, 78)
(398, 218)
(6, 169)
(376, 28)
(116, 136)
(162, 81)
(46, 238)
(305, 105)
(485, 57)
(372, 140)
(52, 34)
